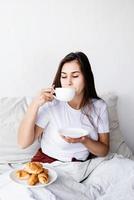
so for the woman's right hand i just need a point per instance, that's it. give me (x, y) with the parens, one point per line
(45, 95)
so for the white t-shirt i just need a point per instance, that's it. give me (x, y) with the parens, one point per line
(56, 115)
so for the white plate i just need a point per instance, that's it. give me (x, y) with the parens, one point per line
(73, 132)
(52, 177)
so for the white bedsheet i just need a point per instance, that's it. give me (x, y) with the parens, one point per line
(106, 178)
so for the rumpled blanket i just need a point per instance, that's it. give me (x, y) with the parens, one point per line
(106, 178)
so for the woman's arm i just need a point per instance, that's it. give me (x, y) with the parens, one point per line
(28, 131)
(98, 148)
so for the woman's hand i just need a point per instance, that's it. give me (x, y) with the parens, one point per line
(74, 140)
(45, 95)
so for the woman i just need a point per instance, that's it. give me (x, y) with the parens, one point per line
(46, 115)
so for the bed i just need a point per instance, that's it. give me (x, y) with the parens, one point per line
(105, 178)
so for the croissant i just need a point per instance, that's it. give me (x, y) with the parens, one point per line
(43, 178)
(33, 179)
(33, 167)
(45, 170)
(34, 173)
(22, 174)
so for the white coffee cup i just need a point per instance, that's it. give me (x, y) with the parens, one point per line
(64, 94)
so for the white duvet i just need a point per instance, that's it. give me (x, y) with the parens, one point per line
(107, 178)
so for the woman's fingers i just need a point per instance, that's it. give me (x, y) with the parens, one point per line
(46, 96)
(72, 140)
(49, 90)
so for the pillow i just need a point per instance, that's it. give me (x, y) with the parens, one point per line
(117, 143)
(12, 111)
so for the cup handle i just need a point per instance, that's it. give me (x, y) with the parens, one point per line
(54, 97)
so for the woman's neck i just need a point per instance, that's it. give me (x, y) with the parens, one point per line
(76, 103)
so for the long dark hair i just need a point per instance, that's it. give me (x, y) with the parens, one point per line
(85, 67)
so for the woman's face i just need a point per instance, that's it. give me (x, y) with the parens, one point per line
(71, 76)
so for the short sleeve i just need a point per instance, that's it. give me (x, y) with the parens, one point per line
(42, 118)
(103, 120)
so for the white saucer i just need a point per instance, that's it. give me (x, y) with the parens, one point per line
(73, 132)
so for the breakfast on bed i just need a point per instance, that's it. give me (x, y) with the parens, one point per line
(34, 173)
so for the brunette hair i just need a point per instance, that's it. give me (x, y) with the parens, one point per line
(85, 67)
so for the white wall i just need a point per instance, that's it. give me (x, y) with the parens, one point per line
(35, 35)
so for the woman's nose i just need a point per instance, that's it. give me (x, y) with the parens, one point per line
(69, 81)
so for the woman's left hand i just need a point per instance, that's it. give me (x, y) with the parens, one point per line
(74, 140)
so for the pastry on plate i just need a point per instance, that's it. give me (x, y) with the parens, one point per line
(33, 167)
(43, 178)
(33, 179)
(22, 174)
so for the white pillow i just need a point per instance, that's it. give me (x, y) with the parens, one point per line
(11, 112)
(117, 143)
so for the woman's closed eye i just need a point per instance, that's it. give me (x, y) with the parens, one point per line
(72, 76)
(63, 77)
